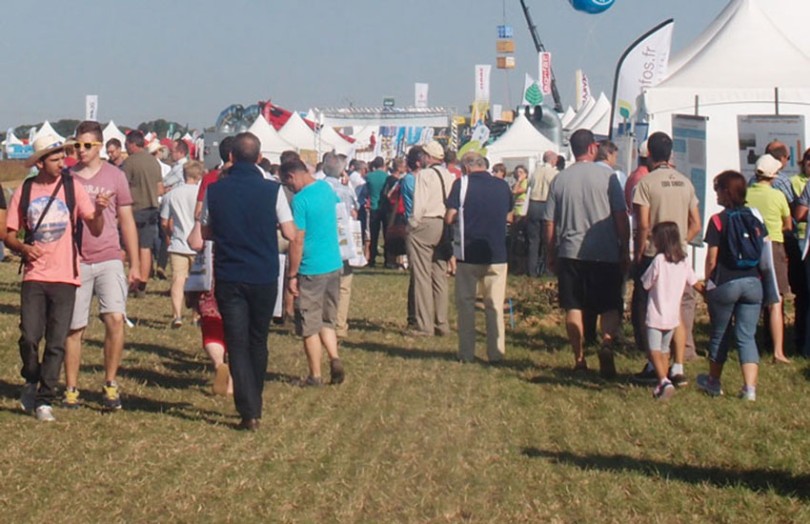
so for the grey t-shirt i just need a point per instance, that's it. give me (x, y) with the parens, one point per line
(581, 204)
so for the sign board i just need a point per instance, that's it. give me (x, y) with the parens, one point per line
(91, 107)
(689, 157)
(18, 151)
(756, 131)
(545, 72)
(388, 102)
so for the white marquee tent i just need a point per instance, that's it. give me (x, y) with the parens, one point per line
(735, 67)
(47, 129)
(521, 143)
(298, 133)
(272, 143)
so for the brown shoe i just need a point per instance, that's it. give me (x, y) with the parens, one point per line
(248, 424)
(221, 378)
(607, 367)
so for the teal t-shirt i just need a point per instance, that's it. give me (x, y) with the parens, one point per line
(374, 183)
(314, 213)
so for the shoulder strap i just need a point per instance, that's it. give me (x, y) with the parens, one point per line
(441, 179)
(70, 200)
(25, 201)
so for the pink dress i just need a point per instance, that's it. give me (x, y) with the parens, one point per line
(665, 282)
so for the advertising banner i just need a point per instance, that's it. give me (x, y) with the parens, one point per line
(545, 72)
(689, 157)
(91, 107)
(643, 65)
(482, 73)
(756, 131)
(420, 95)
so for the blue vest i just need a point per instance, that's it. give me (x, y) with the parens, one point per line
(242, 211)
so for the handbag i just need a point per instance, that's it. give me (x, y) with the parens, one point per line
(444, 250)
(200, 274)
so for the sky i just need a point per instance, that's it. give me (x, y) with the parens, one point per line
(187, 60)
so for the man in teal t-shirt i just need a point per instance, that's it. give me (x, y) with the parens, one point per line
(375, 181)
(315, 267)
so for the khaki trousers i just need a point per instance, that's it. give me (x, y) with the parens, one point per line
(429, 276)
(344, 299)
(491, 280)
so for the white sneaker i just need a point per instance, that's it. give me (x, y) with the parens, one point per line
(28, 397)
(45, 413)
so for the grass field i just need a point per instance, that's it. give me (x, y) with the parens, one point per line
(412, 436)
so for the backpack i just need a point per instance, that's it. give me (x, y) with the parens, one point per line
(744, 238)
(70, 200)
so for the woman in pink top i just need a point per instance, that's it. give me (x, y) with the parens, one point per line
(665, 280)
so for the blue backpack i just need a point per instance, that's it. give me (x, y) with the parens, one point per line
(744, 238)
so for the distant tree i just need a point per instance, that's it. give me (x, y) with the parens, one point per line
(65, 127)
(161, 127)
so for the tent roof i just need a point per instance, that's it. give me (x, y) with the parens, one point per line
(752, 47)
(595, 115)
(581, 114)
(298, 133)
(746, 46)
(11, 138)
(568, 116)
(271, 141)
(521, 139)
(331, 139)
(47, 129)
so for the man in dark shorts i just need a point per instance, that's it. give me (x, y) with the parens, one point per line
(587, 233)
(315, 268)
(146, 185)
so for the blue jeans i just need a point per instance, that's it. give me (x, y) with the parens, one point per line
(246, 311)
(742, 299)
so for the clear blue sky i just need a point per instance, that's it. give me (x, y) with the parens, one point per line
(187, 60)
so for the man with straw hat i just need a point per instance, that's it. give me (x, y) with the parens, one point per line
(48, 208)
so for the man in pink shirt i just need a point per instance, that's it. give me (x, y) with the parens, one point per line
(51, 267)
(101, 268)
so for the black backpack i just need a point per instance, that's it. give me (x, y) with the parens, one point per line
(67, 182)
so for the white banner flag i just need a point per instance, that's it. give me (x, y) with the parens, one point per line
(91, 107)
(545, 72)
(482, 82)
(583, 89)
(420, 95)
(643, 65)
(532, 94)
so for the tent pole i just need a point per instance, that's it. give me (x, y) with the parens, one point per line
(697, 105)
(776, 100)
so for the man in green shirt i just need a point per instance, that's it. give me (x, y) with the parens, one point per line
(375, 181)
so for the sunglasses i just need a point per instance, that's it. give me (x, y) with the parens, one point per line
(86, 145)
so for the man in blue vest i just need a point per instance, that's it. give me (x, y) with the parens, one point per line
(240, 214)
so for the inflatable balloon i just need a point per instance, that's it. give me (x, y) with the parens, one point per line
(592, 6)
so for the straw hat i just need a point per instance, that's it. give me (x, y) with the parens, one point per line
(44, 146)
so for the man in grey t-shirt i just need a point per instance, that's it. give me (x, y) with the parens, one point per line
(587, 232)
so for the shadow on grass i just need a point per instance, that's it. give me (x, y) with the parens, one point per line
(433, 354)
(590, 379)
(782, 482)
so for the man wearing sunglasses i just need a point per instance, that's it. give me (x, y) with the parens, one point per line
(101, 268)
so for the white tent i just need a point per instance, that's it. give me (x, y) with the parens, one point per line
(753, 48)
(521, 143)
(583, 112)
(330, 139)
(568, 116)
(272, 144)
(11, 139)
(47, 129)
(594, 116)
(298, 133)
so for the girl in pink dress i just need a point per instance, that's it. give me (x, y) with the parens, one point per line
(665, 280)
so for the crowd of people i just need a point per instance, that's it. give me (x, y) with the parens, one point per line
(270, 236)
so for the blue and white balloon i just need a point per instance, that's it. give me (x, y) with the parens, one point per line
(592, 6)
